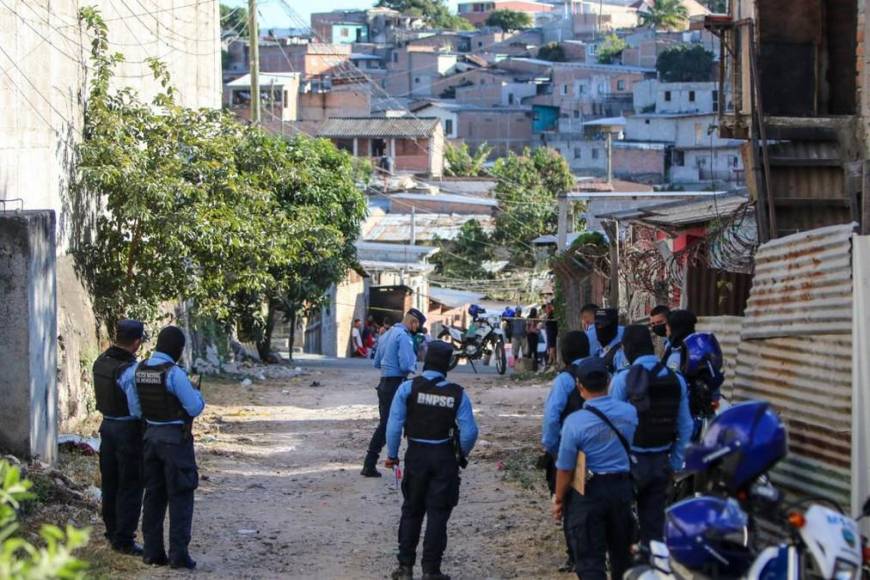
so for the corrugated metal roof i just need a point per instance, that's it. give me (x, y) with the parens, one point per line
(379, 127)
(397, 227)
(265, 80)
(727, 331)
(453, 298)
(447, 198)
(808, 379)
(802, 285)
(704, 210)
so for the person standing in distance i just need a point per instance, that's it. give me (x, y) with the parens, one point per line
(564, 399)
(600, 522)
(397, 358)
(518, 335)
(121, 480)
(664, 430)
(159, 391)
(587, 315)
(434, 414)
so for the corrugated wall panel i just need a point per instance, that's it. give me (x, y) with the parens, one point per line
(802, 285)
(727, 331)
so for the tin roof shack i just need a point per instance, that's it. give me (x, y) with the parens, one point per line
(399, 265)
(412, 145)
(794, 71)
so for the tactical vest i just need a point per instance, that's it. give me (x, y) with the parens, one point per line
(657, 425)
(111, 400)
(432, 409)
(157, 403)
(575, 401)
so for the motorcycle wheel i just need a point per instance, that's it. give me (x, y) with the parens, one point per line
(500, 358)
(454, 360)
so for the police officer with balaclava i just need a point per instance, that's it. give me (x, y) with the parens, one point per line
(664, 429)
(396, 357)
(564, 399)
(438, 421)
(605, 338)
(120, 440)
(681, 323)
(159, 391)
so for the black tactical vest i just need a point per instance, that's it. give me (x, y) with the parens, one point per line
(157, 403)
(111, 400)
(432, 409)
(575, 401)
(657, 425)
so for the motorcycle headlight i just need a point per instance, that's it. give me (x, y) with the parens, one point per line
(844, 570)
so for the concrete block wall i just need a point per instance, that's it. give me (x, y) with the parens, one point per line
(28, 317)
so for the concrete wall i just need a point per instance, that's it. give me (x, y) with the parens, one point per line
(322, 106)
(28, 317)
(504, 130)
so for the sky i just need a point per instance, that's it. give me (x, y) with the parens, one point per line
(275, 15)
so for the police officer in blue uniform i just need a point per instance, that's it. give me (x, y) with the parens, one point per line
(438, 421)
(397, 358)
(159, 391)
(605, 338)
(600, 522)
(564, 399)
(681, 323)
(664, 430)
(120, 440)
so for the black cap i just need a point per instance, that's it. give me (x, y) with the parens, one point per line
(128, 330)
(438, 355)
(605, 316)
(418, 315)
(592, 374)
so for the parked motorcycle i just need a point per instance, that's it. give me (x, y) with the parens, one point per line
(483, 340)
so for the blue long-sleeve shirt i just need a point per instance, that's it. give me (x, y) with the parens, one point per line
(586, 432)
(599, 350)
(551, 430)
(619, 390)
(395, 354)
(399, 413)
(177, 384)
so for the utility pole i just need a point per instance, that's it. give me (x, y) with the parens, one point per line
(254, 47)
(609, 157)
(413, 225)
(562, 224)
(611, 228)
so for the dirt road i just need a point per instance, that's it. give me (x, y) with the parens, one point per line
(281, 495)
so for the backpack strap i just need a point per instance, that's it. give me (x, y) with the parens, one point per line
(631, 458)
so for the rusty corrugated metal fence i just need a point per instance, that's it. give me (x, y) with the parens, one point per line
(727, 330)
(796, 352)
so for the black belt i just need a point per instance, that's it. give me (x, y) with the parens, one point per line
(621, 476)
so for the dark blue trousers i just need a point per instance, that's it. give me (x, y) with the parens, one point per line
(171, 477)
(386, 391)
(652, 477)
(121, 479)
(600, 523)
(430, 485)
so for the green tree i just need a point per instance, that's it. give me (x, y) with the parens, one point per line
(509, 20)
(685, 63)
(434, 12)
(21, 560)
(234, 20)
(610, 49)
(463, 257)
(665, 15)
(552, 52)
(462, 161)
(527, 188)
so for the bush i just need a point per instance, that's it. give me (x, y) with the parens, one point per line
(21, 560)
(685, 64)
(552, 52)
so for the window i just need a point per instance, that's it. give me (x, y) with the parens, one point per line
(344, 33)
(620, 85)
(602, 88)
(564, 90)
(734, 161)
(416, 80)
(594, 154)
(510, 98)
(646, 121)
(679, 158)
(576, 114)
(715, 101)
(582, 90)
(395, 57)
(479, 44)
(578, 153)
(668, 96)
(448, 126)
(691, 96)
(286, 100)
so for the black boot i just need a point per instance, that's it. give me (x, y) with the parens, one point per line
(568, 566)
(370, 471)
(184, 563)
(403, 572)
(435, 576)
